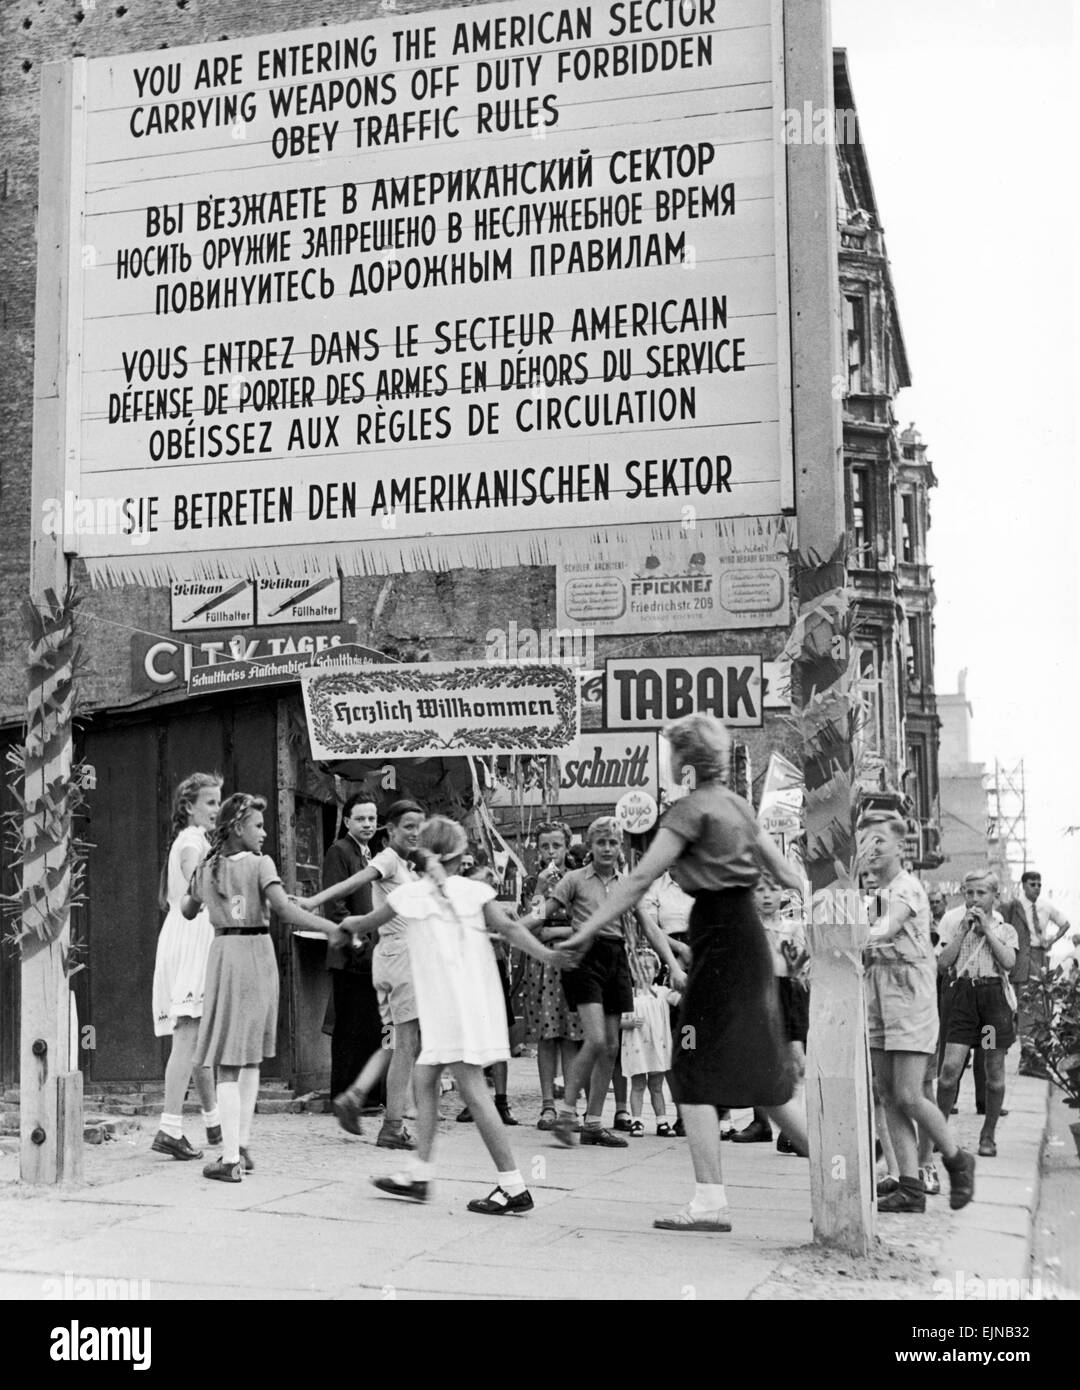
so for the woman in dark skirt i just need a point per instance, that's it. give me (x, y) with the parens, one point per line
(730, 1048)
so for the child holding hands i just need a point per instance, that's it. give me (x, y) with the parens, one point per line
(461, 1007)
(238, 885)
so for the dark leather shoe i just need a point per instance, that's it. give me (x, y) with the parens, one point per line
(246, 1160)
(500, 1203)
(176, 1148)
(903, 1200)
(414, 1191)
(596, 1134)
(347, 1109)
(465, 1117)
(961, 1171)
(987, 1148)
(224, 1172)
(389, 1140)
(506, 1114)
(757, 1132)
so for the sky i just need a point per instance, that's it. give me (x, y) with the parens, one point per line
(964, 110)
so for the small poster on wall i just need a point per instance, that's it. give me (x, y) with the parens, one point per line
(736, 580)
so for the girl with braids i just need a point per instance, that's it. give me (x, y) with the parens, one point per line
(180, 966)
(239, 884)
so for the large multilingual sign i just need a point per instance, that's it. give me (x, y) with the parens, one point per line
(467, 280)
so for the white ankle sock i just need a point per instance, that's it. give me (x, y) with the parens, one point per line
(211, 1118)
(173, 1125)
(248, 1086)
(420, 1171)
(593, 1121)
(707, 1197)
(511, 1183)
(229, 1106)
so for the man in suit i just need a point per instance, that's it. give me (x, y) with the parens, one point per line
(357, 1029)
(1038, 927)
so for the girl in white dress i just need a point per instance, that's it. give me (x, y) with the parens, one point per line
(180, 967)
(460, 1002)
(646, 1045)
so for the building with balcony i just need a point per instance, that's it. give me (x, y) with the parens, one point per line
(887, 479)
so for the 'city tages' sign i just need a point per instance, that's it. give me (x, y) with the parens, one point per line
(428, 288)
(440, 708)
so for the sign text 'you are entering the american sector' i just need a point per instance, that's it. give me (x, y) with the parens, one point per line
(451, 273)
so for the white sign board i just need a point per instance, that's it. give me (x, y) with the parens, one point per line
(737, 579)
(474, 276)
(199, 604)
(636, 812)
(284, 600)
(440, 708)
(602, 767)
(642, 692)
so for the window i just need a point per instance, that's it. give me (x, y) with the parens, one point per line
(861, 519)
(907, 527)
(917, 789)
(914, 653)
(869, 712)
(855, 345)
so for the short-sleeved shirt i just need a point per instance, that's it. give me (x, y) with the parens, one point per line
(394, 872)
(787, 941)
(975, 959)
(912, 942)
(236, 898)
(721, 840)
(581, 892)
(669, 905)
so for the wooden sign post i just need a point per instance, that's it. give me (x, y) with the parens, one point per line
(837, 1081)
(50, 1094)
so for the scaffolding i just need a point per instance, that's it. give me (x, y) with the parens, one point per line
(1006, 829)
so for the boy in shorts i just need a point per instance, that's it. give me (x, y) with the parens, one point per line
(901, 997)
(599, 987)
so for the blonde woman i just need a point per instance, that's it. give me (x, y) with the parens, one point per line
(729, 1049)
(180, 967)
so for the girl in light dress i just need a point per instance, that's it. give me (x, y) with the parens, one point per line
(460, 1000)
(238, 885)
(646, 1044)
(550, 1023)
(180, 967)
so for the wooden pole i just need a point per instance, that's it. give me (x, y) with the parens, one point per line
(50, 1095)
(837, 1085)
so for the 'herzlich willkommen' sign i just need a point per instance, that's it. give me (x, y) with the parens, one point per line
(438, 287)
(440, 708)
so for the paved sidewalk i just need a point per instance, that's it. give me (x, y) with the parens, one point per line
(308, 1224)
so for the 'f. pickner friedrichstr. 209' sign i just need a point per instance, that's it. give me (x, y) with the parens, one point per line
(459, 283)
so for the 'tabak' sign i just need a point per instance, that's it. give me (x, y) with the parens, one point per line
(647, 691)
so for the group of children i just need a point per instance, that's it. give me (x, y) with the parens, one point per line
(216, 985)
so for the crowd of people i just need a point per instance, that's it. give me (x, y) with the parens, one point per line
(686, 973)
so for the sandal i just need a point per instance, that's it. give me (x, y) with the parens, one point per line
(664, 1130)
(637, 1129)
(543, 1122)
(622, 1122)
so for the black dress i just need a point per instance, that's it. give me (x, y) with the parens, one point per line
(729, 1047)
